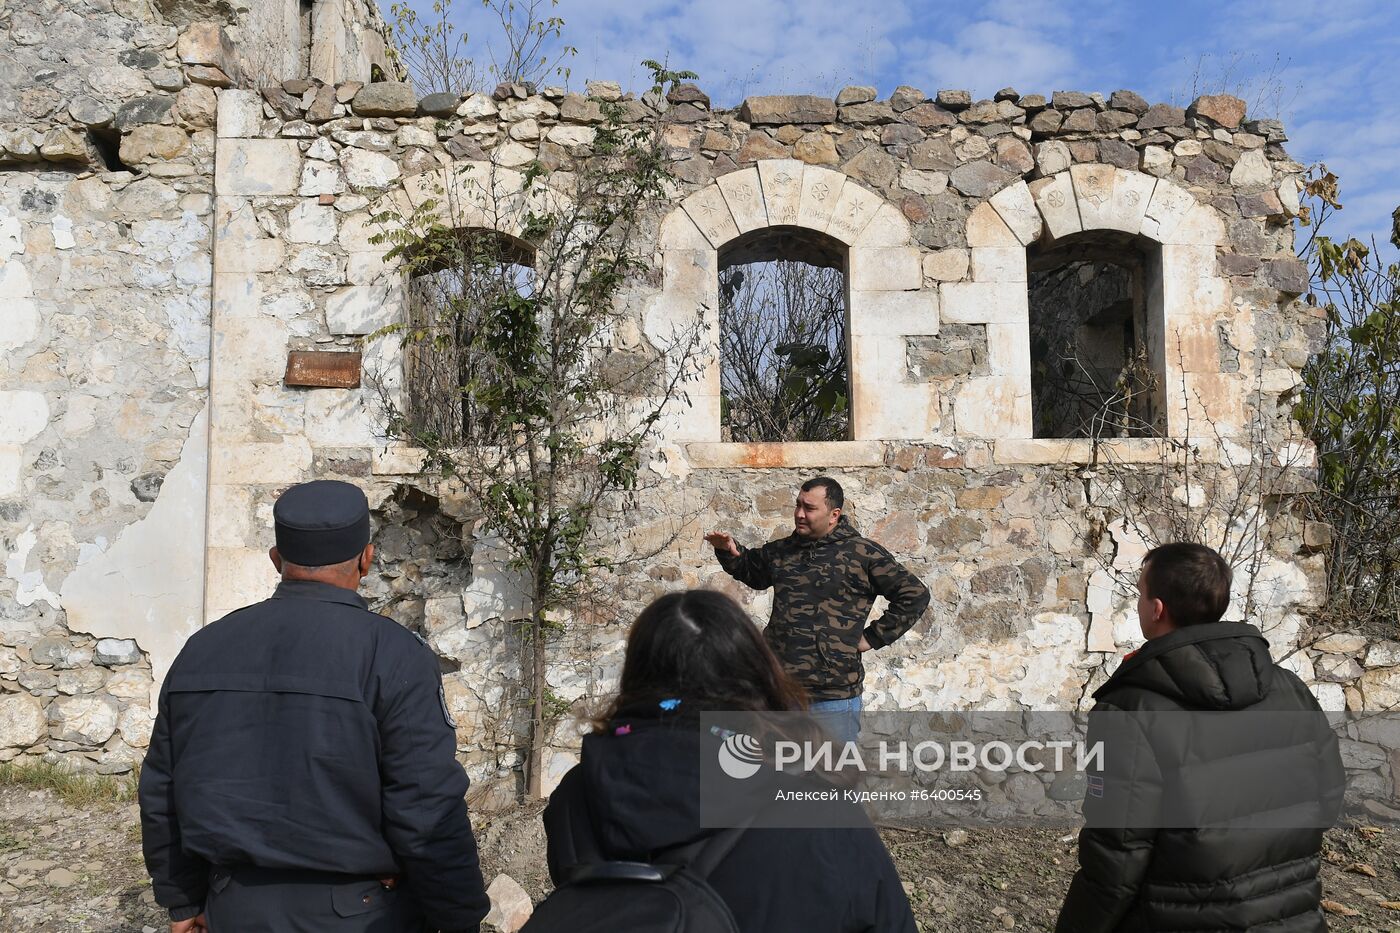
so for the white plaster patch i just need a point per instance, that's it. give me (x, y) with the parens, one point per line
(149, 585)
(11, 235)
(11, 459)
(23, 414)
(62, 232)
(32, 587)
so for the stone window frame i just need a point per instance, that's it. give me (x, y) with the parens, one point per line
(1185, 285)
(887, 302)
(460, 199)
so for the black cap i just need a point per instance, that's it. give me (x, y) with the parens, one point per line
(321, 522)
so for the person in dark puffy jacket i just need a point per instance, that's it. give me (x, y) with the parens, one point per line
(1269, 767)
(635, 792)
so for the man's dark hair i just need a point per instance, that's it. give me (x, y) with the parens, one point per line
(835, 496)
(1191, 580)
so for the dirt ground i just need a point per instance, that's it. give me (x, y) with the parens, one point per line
(65, 869)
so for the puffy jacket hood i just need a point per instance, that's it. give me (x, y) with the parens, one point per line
(1219, 666)
(643, 785)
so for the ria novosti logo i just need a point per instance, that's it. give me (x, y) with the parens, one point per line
(740, 756)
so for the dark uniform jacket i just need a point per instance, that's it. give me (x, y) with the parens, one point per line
(305, 732)
(636, 794)
(1281, 772)
(822, 594)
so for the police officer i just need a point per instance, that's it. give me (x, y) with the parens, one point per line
(301, 774)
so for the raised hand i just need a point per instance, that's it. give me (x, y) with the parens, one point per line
(723, 542)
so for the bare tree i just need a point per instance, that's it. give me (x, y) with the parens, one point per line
(783, 360)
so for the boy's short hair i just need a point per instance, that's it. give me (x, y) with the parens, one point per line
(1191, 580)
(835, 496)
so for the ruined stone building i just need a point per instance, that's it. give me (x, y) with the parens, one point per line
(185, 194)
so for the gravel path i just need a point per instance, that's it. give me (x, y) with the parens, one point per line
(66, 869)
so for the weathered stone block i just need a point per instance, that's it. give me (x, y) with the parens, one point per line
(385, 99)
(894, 313)
(258, 167)
(983, 302)
(1223, 109)
(363, 309)
(88, 719)
(22, 721)
(898, 269)
(772, 110)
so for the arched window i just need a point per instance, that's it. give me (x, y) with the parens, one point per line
(784, 358)
(467, 290)
(1096, 322)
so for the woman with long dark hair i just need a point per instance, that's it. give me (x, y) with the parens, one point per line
(635, 793)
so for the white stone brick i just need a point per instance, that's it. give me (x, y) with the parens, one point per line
(1168, 207)
(365, 169)
(880, 314)
(821, 189)
(257, 167)
(1201, 226)
(888, 229)
(340, 418)
(237, 577)
(230, 516)
(874, 270)
(986, 228)
(1009, 351)
(1054, 198)
(396, 460)
(782, 189)
(854, 210)
(310, 222)
(692, 274)
(678, 231)
(240, 113)
(319, 178)
(947, 265)
(902, 411)
(273, 463)
(363, 309)
(1111, 198)
(250, 350)
(993, 406)
(710, 212)
(19, 322)
(744, 194)
(1017, 209)
(999, 264)
(983, 302)
(808, 454)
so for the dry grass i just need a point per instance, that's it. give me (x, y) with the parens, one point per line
(74, 787)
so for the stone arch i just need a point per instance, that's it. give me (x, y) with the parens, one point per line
(886, 299)
(1188, 289)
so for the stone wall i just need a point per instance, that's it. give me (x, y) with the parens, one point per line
(107, 155)
(934, 203)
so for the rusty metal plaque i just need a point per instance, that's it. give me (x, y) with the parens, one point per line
(323, 369)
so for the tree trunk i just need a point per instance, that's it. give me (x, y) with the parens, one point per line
(534, 762)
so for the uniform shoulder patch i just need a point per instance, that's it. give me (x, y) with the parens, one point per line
(446, 713)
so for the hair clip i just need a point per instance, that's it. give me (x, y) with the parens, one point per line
(623, 730)
(669, 705)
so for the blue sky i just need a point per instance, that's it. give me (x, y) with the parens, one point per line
(1328, 70)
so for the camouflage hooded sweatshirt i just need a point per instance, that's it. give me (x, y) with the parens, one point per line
(822, 593)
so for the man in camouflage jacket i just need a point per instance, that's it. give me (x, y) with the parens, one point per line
(825, 578)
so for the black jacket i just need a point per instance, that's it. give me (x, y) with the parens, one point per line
(306, 732)
(1290, 776)
(823, 591)
(638, 793)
